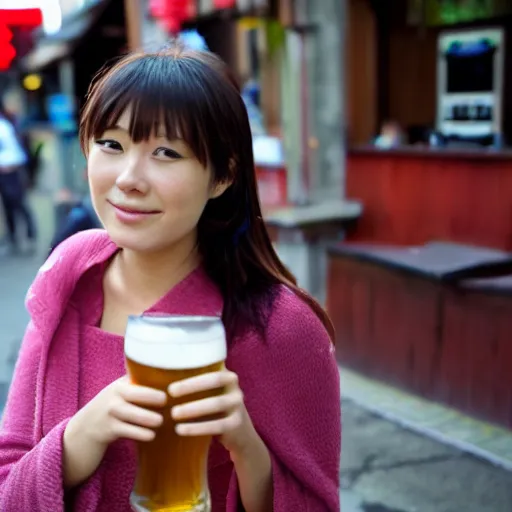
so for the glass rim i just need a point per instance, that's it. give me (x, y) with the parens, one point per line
(164, 318)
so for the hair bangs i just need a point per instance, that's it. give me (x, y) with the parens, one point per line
(161, 96)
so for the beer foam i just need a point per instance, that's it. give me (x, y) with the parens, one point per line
(175, 342)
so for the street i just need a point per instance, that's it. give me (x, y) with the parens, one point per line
(16, 275)
(384, 468)
(15, 278)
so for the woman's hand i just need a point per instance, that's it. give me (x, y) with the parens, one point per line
(248, 452)
(118, 411)
(233, 424)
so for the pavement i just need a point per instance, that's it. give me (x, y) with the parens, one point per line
(388, 464)
(388, 468)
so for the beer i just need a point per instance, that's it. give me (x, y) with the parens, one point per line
(172, 470)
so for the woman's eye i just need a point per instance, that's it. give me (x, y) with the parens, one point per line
(110, 144)
(167, 153)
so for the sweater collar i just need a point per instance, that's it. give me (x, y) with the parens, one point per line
(46, 300)
(196, 294)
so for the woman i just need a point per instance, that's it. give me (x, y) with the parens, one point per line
(172, 179)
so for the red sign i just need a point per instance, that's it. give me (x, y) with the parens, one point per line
(27, 18)
(21, 17)
(7, 51)
(272, 187)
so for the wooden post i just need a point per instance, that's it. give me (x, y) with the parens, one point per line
(133, 14)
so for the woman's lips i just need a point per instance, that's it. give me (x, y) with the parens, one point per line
(129, 215)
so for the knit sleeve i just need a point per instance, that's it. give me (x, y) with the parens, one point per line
(30, 469)
(292, 393)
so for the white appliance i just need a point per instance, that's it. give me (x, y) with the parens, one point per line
(470, 83)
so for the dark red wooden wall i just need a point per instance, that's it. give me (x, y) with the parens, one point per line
(412, 197)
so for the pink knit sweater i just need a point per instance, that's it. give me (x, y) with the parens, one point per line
(290, 383)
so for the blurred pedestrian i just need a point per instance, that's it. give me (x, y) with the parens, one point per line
(13, 184)
(81, 217)
(172, 178)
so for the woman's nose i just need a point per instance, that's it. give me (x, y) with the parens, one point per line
(132, 177)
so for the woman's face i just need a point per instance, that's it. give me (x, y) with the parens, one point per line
(148, 195)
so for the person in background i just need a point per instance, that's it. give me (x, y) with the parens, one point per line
(250, 96)
(172, 178)
(13, 184)
(390, 136)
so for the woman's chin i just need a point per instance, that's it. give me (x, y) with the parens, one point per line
(149, 239)
(136, 242)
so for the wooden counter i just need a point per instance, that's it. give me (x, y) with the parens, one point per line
(415, 319)
(412, 195)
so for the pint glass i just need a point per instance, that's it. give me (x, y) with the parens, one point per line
(159, 350)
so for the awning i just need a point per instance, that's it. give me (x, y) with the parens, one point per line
(49, 48)
(43, 55)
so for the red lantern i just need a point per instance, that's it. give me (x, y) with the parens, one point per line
(172, 13)
(224, 4)
(157, 8)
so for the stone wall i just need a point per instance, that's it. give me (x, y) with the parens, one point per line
(322, 150)
(326, 64)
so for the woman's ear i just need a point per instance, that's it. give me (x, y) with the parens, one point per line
(219, 188)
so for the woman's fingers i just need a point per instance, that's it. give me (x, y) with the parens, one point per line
(204, 382)
(133, 432)
(129, 413)
(229, 405)
(142, 395)
(210, 428)
(208, 406)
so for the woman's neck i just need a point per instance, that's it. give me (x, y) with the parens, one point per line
(149, 276)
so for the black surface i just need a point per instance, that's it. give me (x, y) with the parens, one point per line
(443, 261)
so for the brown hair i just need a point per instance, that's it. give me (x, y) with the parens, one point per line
(197, 99)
